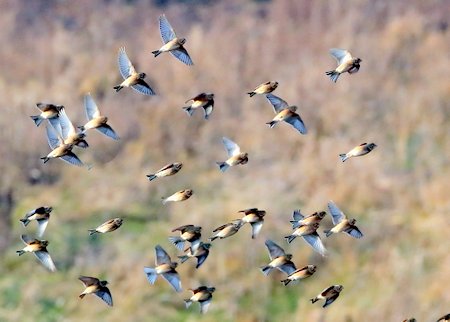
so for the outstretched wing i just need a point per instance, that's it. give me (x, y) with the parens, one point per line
(161, 256)
(105, 295)
(274, 250)
(315, 242)
(336, 214)
(52, 137)
(126, 68)
(143, 88)
(341, 55)
(231, 147)
(90, 107)
(173, 280)
(108, 131)
(166, 30)
(182, 55)
(278, 104)
(72, 159)
(297, 123)
(46, 260)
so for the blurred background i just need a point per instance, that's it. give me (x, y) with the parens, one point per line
(57, 51)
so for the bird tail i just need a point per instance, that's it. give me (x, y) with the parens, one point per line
(45, 159)
(266, 269)
(314, 300)
(343, 157)
(286, 281)
(251, 94)
(118, 88)
(328, 233)
(37, 119)
(189, 110)
(151, 177)
(290, 238)
(295, 224)
(156, 53)
(183, 258)
(25, 222)
(92, 232)
(334, 75)
(187, 303)
(177, 241)
(20, 252)
(164, 200)
(151, 274)
(223, 166)
(81, 295)
(271, 124)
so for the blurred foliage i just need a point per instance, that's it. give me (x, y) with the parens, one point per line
(56, 51)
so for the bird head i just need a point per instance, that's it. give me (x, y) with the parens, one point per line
(142, 75)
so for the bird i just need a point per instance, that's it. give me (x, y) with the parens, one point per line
(300, 274)
(279, 259)
(164, 267)
(107, 226)
(255, 218)
(188, 233)
(445, 318)
(68, 132)
(285, 113)
(202, 295)
(95, 286)
(167, 170)
(172, 43)
(41, 215)
(346, 63)
(201, 253)
(178, 196)
(39, 249)
(341, 223)
(132, 78)
(204, 100)
(235, 156)
(410, 320)
(264, 88)
(96, 120)
(358, 151)
(329, 294)
(302, 220)
(227, 230)
(310, 235)
(48, 112)
(60, 149)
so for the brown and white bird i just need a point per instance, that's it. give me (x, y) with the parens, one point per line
(227, 230)
(255, 218)
(285, 113)
(172, 43)
(329, 294)
(189, 233)
(41, 215)
(300, 274)
(445, 318)
(107, 226)
(181, 195)
(278, 259)
(95, 286)
(201, 253)
(167, 170)
(39, 249)
(342, 223)
(131, 77)
(310, 235)
(358, 151)
(264, 88)
(96, 120)
(235, 156)
(302, 220)
(48, 112)
(346, 63)
(204, 100)
(60, 149)
(164, 267)
(202, 295)
(68, 132)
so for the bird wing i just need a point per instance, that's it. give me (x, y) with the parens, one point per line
(297, 215)
(288, 268)
(204, 305)
(341, 55)
(88, 281)
(256, 228)
(330, 300)
(105, 295)
(278, 104)
(182, 55)
(336, 214)
(126, 68)
(328, 291)
(221, 227)
(166, 167)
(66, 125)
(72, 158)
(231, 147)
(274, 250)
(90, 107)
(173, 279)
(27, 239)
(45, 259)
(42, 226)
(108, 131)
(143, 88)
(297, 122)
(161, 256)
(354, 232)
(53, 139)
(165, 29)
(207, 110)
(201, 259)
(315, 242)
